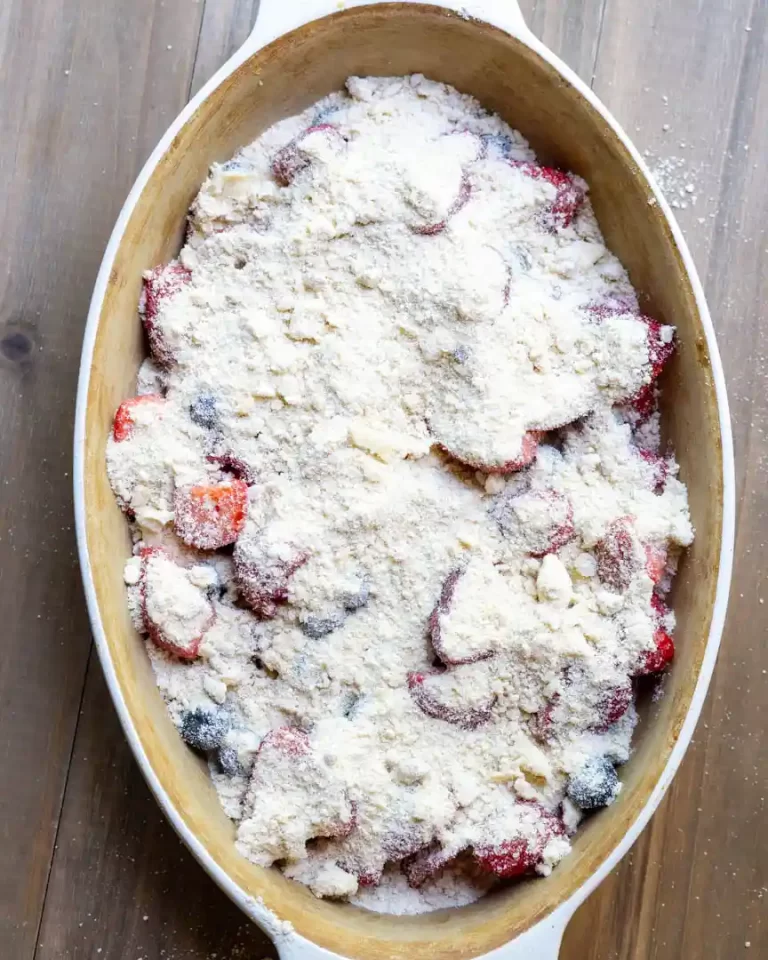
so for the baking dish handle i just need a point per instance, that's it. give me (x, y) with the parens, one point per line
(542, 942)
(276, 17)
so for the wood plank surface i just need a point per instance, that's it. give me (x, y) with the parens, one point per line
(85, 90)
(689, 81)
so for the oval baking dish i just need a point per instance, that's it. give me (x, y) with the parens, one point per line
(278, 74)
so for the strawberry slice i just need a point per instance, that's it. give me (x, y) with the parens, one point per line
(175, 613)
(518, 855)
(540, 521)
(288, 741)
(529, 448)
(569, 194)
(462, 199)
(655, 561)
(617, 560)
(660, 467)
(290, 160)
(263, 578)
(124, 423)
(614, 306)
(612, 706)
(425, 690)
(425, 865)
(290, 775)
(541, 724)
(659, 607)
(437, 622)
(160, 284)
(659, 349)
(663, 653)
(643, 404)
(211, 515)
(229, 463)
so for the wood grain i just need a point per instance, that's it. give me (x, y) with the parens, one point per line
(85, 89)
(696, 883)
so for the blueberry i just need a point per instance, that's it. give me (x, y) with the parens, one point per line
(354, 601)
(228, 762)
(203, 411)
(317, 627)
(203, 729)
(349, 704)
(498, 142)
(595, 785)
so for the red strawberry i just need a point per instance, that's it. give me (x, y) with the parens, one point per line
(290, 160)
(160, 284)
(516, 856)
(180, 627)
(614, 306)
(654, 661)
(512, 858)
(659, 607)
(124, 422)
(616, 558)
(442, 610)
(612, 707)
(229, 463)
(660, 469)
(541, 723)
(425, 864)
(568, 198)
(462, 199)
(263, 579)
(659, 350)
(528, 450)
(289, 741)
(421, 687)
(644, 403)
(540, 521)
(209, 516)
(655, 561)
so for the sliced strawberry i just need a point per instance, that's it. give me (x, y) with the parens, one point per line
(660, 469)
(518, 855)
(541, 521)
(654, 661)
(263, 579)
(425, 691)
(209, 516)
(425, 865)
(436, 622)
(528, 450)
(569, 194)
(617, 560)
(612, 707)
(462, 199)
(124, 421)
(644, 403)
(614, 306)
(659, 607)
(655, 561)
(541, 724)
(289, 741)
(229, 463)
(290, 160)
(161, 284)
(659, 350)
(177, 624)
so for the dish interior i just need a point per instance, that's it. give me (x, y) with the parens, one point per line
(508, 78)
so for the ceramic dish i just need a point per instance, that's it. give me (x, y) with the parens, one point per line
(488, 52)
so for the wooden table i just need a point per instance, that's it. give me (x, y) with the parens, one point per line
(89, 866)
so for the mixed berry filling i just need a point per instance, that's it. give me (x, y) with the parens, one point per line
(404, 530)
